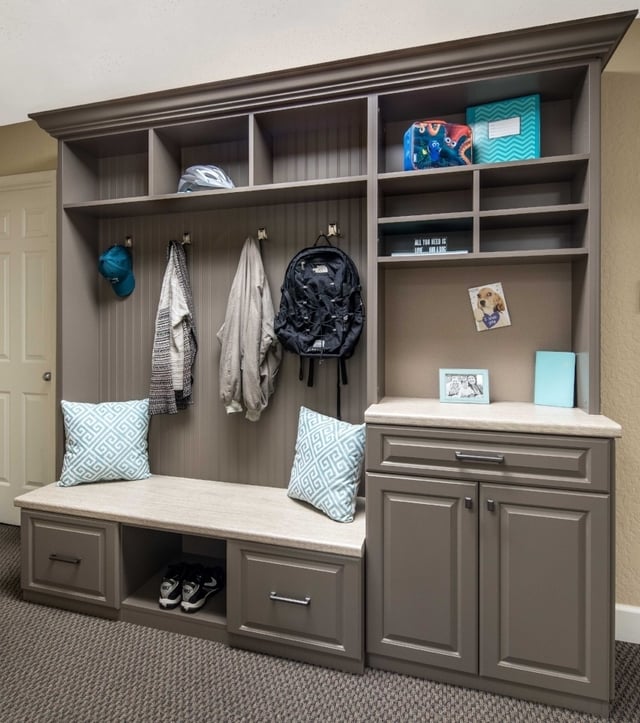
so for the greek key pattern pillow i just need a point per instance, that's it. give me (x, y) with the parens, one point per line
(327, 464)
(105, 441)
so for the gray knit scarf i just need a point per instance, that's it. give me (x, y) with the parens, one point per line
(163, 397)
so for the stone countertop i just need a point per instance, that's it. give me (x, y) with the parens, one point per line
(496, 416)
(225, 510)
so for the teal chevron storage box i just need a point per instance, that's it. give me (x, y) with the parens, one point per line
(506, 130)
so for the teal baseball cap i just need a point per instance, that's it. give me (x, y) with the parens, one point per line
(116, 265)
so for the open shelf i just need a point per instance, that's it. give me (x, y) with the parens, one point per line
(144, 600)
(323, 190)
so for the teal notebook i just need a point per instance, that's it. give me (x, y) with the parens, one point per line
(555, 375)
(506, 130)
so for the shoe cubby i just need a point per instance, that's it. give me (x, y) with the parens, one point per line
(146, 554)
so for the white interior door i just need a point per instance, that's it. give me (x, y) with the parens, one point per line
(27, 336)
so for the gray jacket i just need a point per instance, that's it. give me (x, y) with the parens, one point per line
(250, 355)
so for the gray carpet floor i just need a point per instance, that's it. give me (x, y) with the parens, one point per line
(63, 667)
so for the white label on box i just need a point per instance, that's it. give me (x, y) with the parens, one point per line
(502, 128)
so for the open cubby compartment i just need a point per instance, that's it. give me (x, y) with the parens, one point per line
(318, 141)
(428, 324)
(222, 142)
(424, 239)
(437, 191)
(551, 229)
(146, 553)
(106, 167)
(561, 181)
(565, 99)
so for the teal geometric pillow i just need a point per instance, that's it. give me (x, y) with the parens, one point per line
(105, 441)
(327, 464)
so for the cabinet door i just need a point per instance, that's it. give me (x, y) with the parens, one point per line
(545, 589)
(422, 571)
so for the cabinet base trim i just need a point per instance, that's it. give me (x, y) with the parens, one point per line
(628, 623)
(174, 624)
(314, 657)
(489, 685)
(76, 606)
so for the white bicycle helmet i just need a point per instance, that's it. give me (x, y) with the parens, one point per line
(203, 178)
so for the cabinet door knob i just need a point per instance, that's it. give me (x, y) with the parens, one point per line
(491, 505)
(468, 503)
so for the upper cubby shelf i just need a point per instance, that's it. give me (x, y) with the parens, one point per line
(335, 189)
(564, 97)
(509, 211)
(308, 152)
(522, 207)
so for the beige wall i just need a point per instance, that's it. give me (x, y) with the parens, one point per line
(621, 296)
(24, 148)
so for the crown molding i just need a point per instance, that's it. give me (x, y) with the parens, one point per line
(585, 39)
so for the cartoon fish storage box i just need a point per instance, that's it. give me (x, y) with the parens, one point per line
(435, 144)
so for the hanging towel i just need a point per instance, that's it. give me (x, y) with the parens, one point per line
(175, 344)
(250, 352)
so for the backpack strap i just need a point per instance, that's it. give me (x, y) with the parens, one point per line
(343, 370)
(338, 415)
(341, 378)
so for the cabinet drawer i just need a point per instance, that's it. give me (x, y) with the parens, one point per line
(544, 460)
(70, 557)
(308, 600)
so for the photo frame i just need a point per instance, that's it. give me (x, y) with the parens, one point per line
(464, 386)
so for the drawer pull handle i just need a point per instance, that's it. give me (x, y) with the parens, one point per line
(64, 558)
(296, 601)
(491, 458)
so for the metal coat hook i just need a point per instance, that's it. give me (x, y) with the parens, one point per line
(186, 238)
(262, 234)
(333, 230)
(128, 241)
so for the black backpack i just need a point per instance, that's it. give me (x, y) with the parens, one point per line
(321, 311)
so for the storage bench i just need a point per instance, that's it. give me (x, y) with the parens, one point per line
(294, 577)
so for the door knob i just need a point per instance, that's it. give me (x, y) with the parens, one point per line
(47, 376)
(491, 505)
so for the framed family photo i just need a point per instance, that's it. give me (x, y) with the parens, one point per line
(469, 386)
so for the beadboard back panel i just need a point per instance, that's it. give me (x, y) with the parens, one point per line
(204, 441)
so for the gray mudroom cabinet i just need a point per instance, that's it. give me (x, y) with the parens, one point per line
(489, 558)
(489, 527)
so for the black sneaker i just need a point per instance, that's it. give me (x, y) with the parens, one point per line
(171, 585)
(199, 585)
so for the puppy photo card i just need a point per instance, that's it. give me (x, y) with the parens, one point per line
(489, 306)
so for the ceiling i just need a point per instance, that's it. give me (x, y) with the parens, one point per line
(71, 52)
